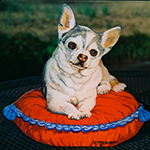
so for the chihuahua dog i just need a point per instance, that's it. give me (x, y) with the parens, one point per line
(75, 74)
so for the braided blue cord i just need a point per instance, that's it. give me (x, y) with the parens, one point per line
(11, 112)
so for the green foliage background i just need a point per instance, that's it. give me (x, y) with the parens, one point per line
(28, 34)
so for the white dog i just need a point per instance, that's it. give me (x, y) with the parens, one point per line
(75, 73)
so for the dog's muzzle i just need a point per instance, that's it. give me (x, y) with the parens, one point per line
(82, 59)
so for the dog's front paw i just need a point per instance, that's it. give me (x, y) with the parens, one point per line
(76, 116)
(86, 114)
(104, 88)
(119, 87)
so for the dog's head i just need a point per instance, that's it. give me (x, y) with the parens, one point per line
(82, 46)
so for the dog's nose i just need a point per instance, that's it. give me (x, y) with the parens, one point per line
(82, 58)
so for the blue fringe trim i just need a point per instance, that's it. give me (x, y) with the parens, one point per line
(11, 112)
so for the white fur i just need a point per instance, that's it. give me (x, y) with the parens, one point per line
(104, 88)
(118, 87)
(64, 90)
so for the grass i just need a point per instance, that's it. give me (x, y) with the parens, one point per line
(90, 11)
(43, 18)
(26, 46)
(28, 32)
(105, 10)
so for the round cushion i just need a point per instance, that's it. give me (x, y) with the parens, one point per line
(115, 118)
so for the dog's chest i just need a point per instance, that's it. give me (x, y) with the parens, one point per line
(80, 82)
(75, 81)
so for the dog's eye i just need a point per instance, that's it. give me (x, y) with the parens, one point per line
(72, 45)
(93, 52)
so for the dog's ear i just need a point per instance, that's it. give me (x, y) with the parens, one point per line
(109, 38)
(67, 20)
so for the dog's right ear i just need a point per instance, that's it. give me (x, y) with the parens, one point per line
(67, 20)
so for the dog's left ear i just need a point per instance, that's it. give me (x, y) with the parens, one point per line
(67, 20)
(109, 38)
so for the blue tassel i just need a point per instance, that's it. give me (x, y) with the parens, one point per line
(144, 115)
(9, 113)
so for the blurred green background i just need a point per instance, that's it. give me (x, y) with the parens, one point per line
(28, 32)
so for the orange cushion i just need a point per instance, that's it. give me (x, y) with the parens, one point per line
(115, 118)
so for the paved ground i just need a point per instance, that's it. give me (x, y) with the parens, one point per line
(144, 66)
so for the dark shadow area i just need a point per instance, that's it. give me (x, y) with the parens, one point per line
(23, 55)
(16, 68)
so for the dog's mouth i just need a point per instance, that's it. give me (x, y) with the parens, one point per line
(79, 65)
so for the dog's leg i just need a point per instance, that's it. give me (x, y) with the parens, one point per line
(87, 103)
(116, 85)
(104, 86)
(58, 102)
(109, 82)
